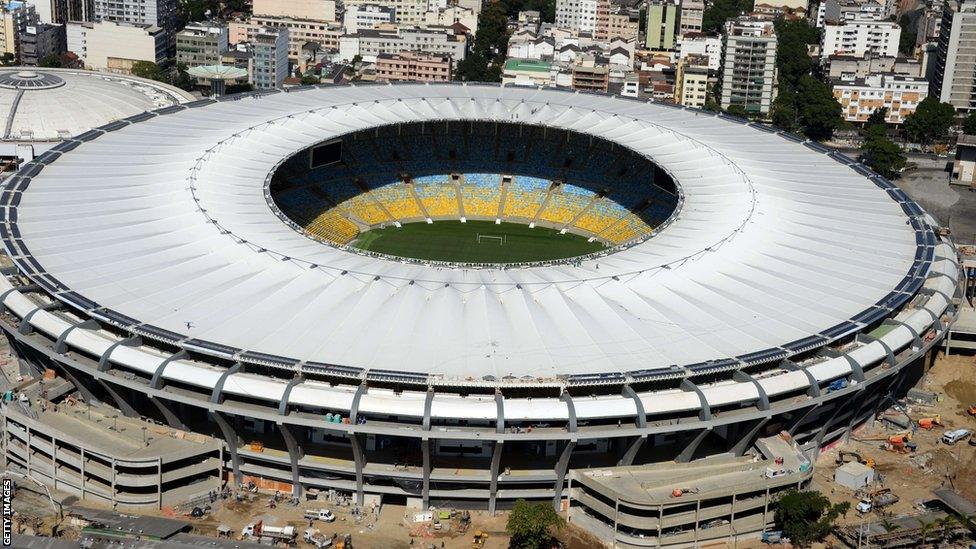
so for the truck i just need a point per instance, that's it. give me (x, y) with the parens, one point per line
(877, 500)
(772, 537)
(317, 539)
(259, 530)
(952, 437)
(324, 515)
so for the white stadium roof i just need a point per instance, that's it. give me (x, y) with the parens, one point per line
(54, 104)
(166, 222)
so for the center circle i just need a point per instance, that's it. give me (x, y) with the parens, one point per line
(475, 193)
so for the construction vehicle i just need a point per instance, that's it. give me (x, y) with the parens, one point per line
(317, 539)
(344, 542)
(877, 500)
(971, 410)
(843, 455)
(480, 538)
(464, 522)
(264, 533)
(952, 437)
(324, 515)
(929, 423)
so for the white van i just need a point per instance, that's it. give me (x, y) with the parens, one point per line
(952, 437)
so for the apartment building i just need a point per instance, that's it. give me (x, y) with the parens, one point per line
(898, 93)
(524, 72)
(691, 81)
(748, 75)
(308, 10)
(844, 11)
(860, 37)
(114, 47)
(40, 41)
(582, 15)
(270, 57)
(366, 16)
(300, 32)
(589, 75)
(662, 24)
(147, 13)
(702, 44)
(372, 42)
(201, 44)
(690, 18)
(849, 66)
(406, 12)
(414, 66)
(955, 65)
(15, 17)
(619, 25)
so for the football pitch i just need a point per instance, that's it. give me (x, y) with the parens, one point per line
(475, 242)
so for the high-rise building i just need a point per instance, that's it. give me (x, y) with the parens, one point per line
(691, 81)
(690, 18)
(15, 17)
(157, 13)
(413, 66)
(201, 44)
(115, 47)
(662, 24)
(860, 97)
(270, 57)
(582, 15)
(40, 41)
(954, 79)
(859, 37)
(748, 75)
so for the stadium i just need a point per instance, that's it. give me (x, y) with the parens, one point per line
(612, 282)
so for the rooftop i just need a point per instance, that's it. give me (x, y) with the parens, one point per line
(527, 65)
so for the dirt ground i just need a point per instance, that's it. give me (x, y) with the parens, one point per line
(913, 477)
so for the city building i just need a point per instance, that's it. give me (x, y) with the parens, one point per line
(860, 37)
(524, 72)
(414, 66)
(748, 74)
(372, 42)
(201, 44)
(366, 16)
(690, 18)
(414, 12)
(270, 58)
(589, 75)
(54, 11)
(845, 11)
(308, 10)
(146, 13)
(662, 24)
(15, 17)
(964, 164)
(300, 33)
(41, 40)
(849, 66)
(114, 47)
(702, 44)
(581, 15)
(691, 81)
(450, 16)
(862, 96)
(619, 25)
(953, 80)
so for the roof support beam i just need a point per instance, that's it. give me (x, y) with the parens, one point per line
(131, 341)
(215, 396)
(157, 378)
(500, 412)
(744, 377)
(688, 452)
(629, 392)
(746, 440)
(354, 407)
(120, 402)
(857, 372)
(283, 405)
(428, 404)
(570, 409)
(171, 418)
(916, 339)
(61, 345)
(635, 445)
(705, 412)
(796, 424)
(357, 455)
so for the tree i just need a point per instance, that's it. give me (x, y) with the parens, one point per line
(531, 525)
(50, 61)
(737, 110)
(969, 124)
(792, 59)
(930, 121)
(876, 125)
(807, 516)
(818, 112)
(309, 79)
(783, 112)
(149, 71)
(906, 44)
(7, 59)
(883, 155)
(721, 11)
(473, 68)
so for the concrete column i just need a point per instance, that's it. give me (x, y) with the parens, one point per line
(689, 451)
(159, 482)
(82, 473)
(697, 517)
(114, 498)
(54, 461)
(294, 454)
(171, 418)
(230, 439)
(745, 440)
(561, 466)
(496, 460)
(425, 491)
(120, 403)
(357, 454)
(632, 450)
(616, 515)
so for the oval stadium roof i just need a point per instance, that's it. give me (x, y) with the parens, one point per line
(165, 222)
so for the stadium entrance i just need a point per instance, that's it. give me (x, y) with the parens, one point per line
(474, 192)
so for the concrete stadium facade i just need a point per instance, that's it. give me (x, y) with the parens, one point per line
(475, 437)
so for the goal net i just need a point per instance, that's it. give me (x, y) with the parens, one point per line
(491, 238)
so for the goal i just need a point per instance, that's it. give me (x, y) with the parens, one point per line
(501, 239)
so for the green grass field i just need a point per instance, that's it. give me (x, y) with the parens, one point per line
(456, 241)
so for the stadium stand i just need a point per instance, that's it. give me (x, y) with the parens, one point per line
(561, 179)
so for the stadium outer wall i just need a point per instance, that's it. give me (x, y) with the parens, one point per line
(412, 456)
